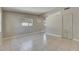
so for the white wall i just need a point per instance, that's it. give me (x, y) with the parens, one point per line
(76, 23)
(0, 18)
(12, 23)
(75, 19)
(0, 26)
(54, 24)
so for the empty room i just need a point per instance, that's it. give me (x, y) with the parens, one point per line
(39, 28)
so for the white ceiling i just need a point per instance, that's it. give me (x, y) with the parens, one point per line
(29, 10)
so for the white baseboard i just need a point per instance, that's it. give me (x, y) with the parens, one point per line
(16, 36)
(53, 34)
(76, 39)
(60, 36)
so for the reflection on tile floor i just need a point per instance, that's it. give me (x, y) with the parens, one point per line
(39, 42)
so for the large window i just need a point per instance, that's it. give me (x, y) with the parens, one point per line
(27, 22)
(24, 24)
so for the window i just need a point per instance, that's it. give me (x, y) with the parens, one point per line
(28, 22)
(24, 24)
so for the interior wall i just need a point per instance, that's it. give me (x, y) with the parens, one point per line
(0, 18)
(12, 23)
(76, 23)
(54, 24)
(0, 26)
(75, 15)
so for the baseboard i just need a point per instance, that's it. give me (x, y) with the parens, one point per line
(22, 35)
(76, 39)
(53, 34)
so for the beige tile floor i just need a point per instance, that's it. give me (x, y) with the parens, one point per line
(38, 42)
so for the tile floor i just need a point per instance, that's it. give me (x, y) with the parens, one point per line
(38, 42)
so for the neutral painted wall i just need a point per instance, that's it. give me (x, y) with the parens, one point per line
(0, 26)
(0, 18)
(75, 15)
(76, 23)
(12, 23)
(54, 23)
(75, 19)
